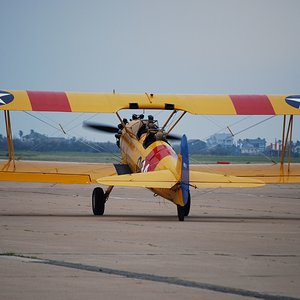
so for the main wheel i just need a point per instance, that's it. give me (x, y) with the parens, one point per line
(187, 207)
(180, 212)
(98, 201)
(183, 211)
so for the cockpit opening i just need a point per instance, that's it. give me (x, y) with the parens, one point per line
(145, 130)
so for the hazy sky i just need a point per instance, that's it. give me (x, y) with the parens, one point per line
(159, 46)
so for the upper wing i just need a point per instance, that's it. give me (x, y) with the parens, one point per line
(109, 103)
(56, 172)
(266, 173)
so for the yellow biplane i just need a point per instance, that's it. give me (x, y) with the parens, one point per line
(148, 160)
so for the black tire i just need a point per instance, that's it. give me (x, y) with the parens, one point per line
(183, 211)
(98, 201)
(187, 207)
(180, 212)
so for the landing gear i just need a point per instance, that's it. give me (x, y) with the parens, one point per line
(98, 200)
(183, 211)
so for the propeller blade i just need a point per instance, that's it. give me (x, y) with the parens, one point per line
(173, 137)
(101, 127)
(113, 129)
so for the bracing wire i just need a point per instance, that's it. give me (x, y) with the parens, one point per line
(60, 129)
(254, 125)
(33, 116)
(239, 132)
(213, 121)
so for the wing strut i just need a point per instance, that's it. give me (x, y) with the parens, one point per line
(181, 116)
(9, 138)
(286, 141)
(166, 123)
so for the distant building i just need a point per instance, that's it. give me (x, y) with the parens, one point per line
(276, 146)
(252, 146)
(222, 139)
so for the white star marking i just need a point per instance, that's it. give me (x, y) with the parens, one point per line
(1, 95)
(294, 99)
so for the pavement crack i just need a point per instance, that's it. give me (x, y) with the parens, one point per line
(152, 277)
(169, 280)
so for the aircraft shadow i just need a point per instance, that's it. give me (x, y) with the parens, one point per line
(158, 218)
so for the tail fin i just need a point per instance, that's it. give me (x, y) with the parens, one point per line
(185, 169)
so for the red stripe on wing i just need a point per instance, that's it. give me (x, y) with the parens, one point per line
(49, 101)
(252, 105)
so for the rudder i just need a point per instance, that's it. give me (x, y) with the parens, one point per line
(185, 169)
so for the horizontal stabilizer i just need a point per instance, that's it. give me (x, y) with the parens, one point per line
(210, 180)
(156, 179)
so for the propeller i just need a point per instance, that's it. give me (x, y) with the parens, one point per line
(101, 127)
(113, 129)
(174, 137)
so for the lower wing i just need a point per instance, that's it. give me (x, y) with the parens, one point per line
(211, 180)
(265, 172)
(54, 172)
(89, 173)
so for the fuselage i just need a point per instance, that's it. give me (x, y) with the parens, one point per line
(144, 156)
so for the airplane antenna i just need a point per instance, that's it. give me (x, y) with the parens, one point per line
(149, 96)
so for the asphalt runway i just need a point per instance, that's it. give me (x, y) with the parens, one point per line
(236, 244)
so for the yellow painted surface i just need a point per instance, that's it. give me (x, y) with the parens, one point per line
(20, 102)
(155, 179)
(281, 107)
(110, 103)
(56, 172)
(211, 180)
(45, 177)
(88, 102)
(205, 104)
(195, 104)
(263, 172)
